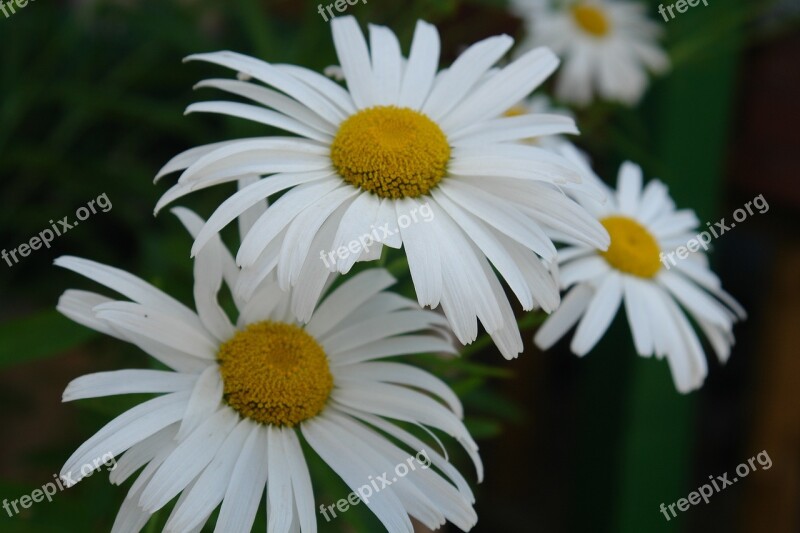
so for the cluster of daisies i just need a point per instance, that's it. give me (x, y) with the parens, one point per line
(304, 359)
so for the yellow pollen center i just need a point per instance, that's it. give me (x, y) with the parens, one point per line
(591, 19)
(391, 151)
(516, 111)
(633, 249)
(275, 373)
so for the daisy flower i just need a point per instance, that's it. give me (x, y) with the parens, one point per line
(237, 397)
(657, 296)
(608, 46)
(402, 137)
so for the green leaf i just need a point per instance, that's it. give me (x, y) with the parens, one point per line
(38, 336)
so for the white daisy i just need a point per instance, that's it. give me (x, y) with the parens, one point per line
(644, 227)
(607, 47)
(402, 137)
(238, 397)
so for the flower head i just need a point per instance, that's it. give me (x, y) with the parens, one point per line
(400, 139)
(608, 47)
(644, 227)
(237, 397)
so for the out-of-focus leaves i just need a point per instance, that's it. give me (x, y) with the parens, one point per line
(37, 336)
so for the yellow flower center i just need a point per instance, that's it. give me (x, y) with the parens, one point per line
(516, 111)
(275, 373)
(633, 249)
(591, 19)
(390, 151)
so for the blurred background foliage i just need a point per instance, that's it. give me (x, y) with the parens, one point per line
(92, 100)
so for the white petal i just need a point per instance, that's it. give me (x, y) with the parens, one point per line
(583, 269)
(501, 216)
(261, 305)
(423, 61)
(131, 518)
(127, 429)
(386, 222)
(209, 488)
(160, 327)
(347, 298)
(79, 306)
(401, 403)
(422, 252)
(403, 375)
(261, 116)
(187, 158)
(126, 382)
(354, 470)
(194, 224)
(636, 311)
(249, 216)
(276, 77)
(324, 87)
(599, 314)
(280, 502)
(186, 462)
(410, 440)
(380, 327)
(142, 453)
(301, 482)
(314, 276)
(464, 73)
(503, 90)
(208, 272)
(246, 486)
(387, 64)
(302, 230)
(269, 98)
(572, 307)
(629, 188)
(695, 299)
(128, 285)
(355, 227)
(279, 215)
(489, 245)
(404, 345)
(351, 49)
(204, 402)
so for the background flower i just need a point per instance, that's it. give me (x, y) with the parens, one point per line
(645, 228)
(608, 47)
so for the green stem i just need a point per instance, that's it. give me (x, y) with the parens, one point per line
(152, 524)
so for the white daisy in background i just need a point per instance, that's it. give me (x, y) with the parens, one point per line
(401, 137)
(237, 398)
(541, 104)
(644, 224)
(608, 47)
